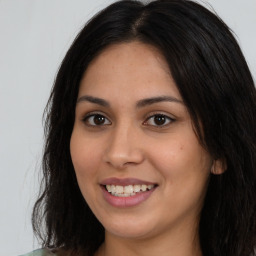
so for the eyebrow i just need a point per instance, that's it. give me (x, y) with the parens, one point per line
(139, 104)
(94, 100)
(153, 100)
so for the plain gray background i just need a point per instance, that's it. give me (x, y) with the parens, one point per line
(34, 36)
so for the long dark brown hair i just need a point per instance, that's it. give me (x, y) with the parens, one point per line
(216, 85)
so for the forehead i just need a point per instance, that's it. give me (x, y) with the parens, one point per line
(145, 53)
(126, 67)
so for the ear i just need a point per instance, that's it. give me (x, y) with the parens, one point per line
(219, 166)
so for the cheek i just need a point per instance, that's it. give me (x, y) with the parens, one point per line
(85, 158)
(181, 159)
(84, 155)
(185, 169)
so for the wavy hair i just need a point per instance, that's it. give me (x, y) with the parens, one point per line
(217, 88)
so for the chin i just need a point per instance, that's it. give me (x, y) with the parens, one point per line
(130, 230)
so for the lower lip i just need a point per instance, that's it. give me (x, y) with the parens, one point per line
(129, 201)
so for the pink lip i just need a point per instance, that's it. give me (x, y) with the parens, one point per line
(125, 182)
(129, 201)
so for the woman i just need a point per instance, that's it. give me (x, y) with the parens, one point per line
(150, 138)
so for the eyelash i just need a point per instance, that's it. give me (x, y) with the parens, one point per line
(166, 118)
(93, 115)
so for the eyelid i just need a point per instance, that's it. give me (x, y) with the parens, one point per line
(159, 113)
(94, 113)
(146, 118)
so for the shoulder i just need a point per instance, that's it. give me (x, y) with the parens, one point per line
(40, 252)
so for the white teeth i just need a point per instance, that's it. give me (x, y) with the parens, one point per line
(128, 189)
(150, 187)
(113, 189)
(125, 191)
(143, 187)
(119, 189)
(136, 188)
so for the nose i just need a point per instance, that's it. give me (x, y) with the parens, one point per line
(123, 148)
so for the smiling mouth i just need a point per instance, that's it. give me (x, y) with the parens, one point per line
(129, 190)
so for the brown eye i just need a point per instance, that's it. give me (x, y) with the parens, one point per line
(99, 120)
(96, 120)
(159, 120)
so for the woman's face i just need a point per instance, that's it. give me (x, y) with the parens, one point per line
(133, 137)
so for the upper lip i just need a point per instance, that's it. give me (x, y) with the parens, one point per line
(125, 182)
